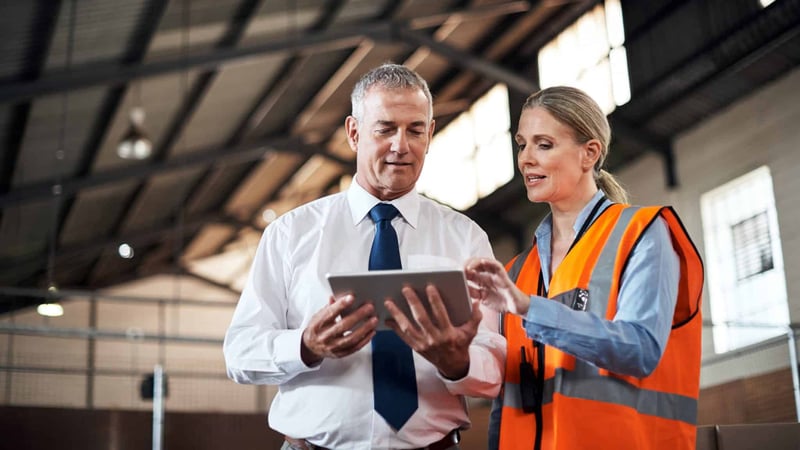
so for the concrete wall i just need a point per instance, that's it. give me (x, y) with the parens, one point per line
(759, 130)
(75, 372)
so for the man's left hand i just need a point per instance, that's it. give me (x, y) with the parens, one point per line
(434, 336)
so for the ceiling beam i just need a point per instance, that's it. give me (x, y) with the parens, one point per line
(279, 86)
(733, 66)
(139, 42)
(41, 37)
(662, 94)
(188, 273)
(230, 155)
(333, 84)
(775, 24)
(204, 81)
(65, 255)
(191, 100)
(666, 12)
(104, 74)
(466, 60)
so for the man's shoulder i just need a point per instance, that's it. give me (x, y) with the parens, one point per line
(313, 209)
(433, 208)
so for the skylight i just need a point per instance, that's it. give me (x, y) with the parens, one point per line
(472, 156)
(590, 55)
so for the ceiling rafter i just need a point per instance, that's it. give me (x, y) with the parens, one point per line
(231, 155)
(101, 74)
(662, 14)
(362, 50)
(732, 66)
(68, 254)
(137, 49)
(515, 7)
(677, 81)
(187, 272)
(651, 94)
(191, 101)
(42, 36)
(464, 59)
(266, 101)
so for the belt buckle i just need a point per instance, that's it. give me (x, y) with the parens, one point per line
(450, 439)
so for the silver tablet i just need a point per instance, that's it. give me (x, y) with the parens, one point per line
(376, 286)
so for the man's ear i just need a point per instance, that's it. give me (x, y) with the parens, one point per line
(351, 128)
(592, 152)
(430, 135)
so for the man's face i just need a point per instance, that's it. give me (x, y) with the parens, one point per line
(390, 140)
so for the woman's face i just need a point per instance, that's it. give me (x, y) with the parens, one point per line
(555, 167)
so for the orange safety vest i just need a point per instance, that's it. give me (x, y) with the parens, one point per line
(581, 406)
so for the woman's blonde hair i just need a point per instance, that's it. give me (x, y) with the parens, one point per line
(577, 110)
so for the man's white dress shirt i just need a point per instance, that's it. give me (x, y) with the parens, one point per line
(331, 405)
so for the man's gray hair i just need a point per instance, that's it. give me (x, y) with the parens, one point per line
(391, 76)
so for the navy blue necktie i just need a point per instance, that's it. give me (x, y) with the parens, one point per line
(393, 376)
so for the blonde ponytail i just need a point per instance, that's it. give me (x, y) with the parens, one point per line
(612, 188)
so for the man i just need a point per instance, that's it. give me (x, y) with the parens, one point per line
(287, 328)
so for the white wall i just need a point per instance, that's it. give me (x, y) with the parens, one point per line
(763, 129)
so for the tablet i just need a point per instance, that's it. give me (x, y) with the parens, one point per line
(378, 285)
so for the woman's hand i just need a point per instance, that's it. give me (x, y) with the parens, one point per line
(489, 283)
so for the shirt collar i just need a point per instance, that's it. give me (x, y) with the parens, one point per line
(361, 202)
(546, 227)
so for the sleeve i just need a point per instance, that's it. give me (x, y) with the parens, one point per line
(259, 348)
(487, 352)
(633, 342)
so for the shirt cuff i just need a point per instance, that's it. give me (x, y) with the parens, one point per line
(287, 352)
(542, 312)
(475, 382)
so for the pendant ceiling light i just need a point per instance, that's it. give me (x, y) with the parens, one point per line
(135, 144)
(50, 307)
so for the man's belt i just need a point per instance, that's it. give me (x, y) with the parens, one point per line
(450, 439)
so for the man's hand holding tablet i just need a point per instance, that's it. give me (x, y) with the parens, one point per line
(379, 285)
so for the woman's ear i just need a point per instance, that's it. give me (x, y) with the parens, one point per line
(592, 152)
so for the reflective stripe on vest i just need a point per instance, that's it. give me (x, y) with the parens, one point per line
(654, 403)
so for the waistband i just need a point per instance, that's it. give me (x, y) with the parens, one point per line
(450, 439)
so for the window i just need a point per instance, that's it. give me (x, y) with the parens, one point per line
(752, 247)
(472, 156)
(590, 55)
(744, 262)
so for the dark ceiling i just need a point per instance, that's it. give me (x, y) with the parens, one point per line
(245, 102)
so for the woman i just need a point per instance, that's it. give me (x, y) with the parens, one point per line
(603, 312)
